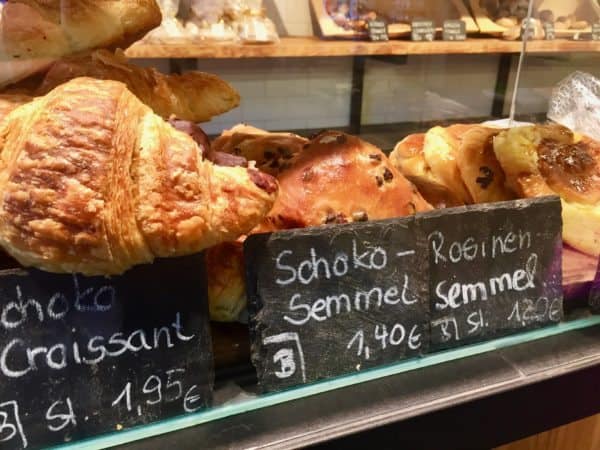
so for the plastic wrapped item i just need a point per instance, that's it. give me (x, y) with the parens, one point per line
(170, 27)
(575, 103)
(256, 28)
(230, 20)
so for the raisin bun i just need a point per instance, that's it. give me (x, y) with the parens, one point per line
(551, 160)
(479, 168)
(430, 161)
(270, 151)
(338, 178)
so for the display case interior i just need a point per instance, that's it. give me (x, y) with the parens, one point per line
(218, 220)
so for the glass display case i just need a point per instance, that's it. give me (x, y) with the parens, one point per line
(279, 224)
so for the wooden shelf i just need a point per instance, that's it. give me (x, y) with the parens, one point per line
(311, 47)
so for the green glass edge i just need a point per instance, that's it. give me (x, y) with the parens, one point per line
(220, 412)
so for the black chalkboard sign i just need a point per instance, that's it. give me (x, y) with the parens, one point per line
(422, 30)
(334, 300)
(454, 30)
(494, 269)
(81, 356)
(378, 30)
(596, 31)
(594, 294)
(549, 31)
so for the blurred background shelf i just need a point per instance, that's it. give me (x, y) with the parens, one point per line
(315, 47)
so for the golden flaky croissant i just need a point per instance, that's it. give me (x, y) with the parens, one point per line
(93, 181)
(39, 31)
(551, 160)
(194, 96)
(8, 102)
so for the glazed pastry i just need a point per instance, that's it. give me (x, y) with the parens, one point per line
(195, 96)
(44, 30)
(339, 178)
(408, 158)
(550, 160)
(479, 169)
(431, 164)
(271, 151)
(94, 182)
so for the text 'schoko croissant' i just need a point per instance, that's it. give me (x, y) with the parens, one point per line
(93, 181)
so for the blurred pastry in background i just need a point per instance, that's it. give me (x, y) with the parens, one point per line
(195, 96)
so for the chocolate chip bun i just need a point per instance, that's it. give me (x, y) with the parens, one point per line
(338, 178)
(335, 178)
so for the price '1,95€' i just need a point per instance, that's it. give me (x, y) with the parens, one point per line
(156, 389)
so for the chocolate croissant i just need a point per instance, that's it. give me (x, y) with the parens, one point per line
(93, 181)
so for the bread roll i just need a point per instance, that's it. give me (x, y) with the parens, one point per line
(336, 178)
(94, 182)
(479, 169)
(339, 178)
(430, 161)
(550, 160)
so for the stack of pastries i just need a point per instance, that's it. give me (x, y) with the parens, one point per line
(101, 164)
(444, 167)
(468, 164)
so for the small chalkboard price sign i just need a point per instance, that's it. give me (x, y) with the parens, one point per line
(493, 269)
(527, 29)
(454, 30)
(549, 31)
(335, 300)
(422, 30)
(378, 31)
(596, 31)
(83, 356)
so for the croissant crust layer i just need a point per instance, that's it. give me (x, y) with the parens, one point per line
(94, 182)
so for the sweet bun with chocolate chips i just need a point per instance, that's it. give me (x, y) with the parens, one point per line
(339, 178)
(271, 151)
(335, 178)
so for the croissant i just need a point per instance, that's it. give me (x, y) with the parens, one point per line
(43, 30)
(8, 102)
(194, 96)
(94, 182)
